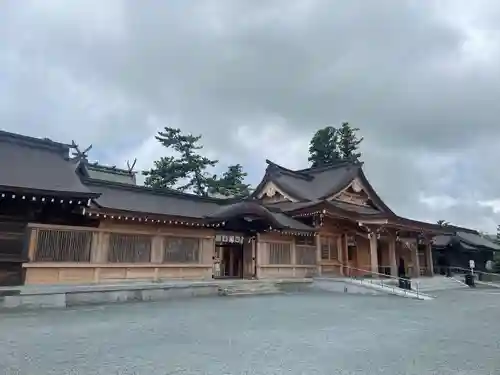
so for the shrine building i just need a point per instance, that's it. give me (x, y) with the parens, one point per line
(66, 220)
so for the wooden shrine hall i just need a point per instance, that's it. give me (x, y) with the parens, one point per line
(66, 220)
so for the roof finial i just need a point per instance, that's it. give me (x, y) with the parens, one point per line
(80, 155)
(131, 167)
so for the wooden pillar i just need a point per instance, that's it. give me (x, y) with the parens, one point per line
(392, 256)
(416, 260)
(259, 253)
(428, 254)
(254, 257)
(157, 249)
(100, 247)
(32, 247)
(342, 252)
(318, 254)
(373, 253)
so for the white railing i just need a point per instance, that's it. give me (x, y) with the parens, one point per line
(479, 275)
(386, 281)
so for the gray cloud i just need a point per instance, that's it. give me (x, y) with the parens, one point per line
(420, 79)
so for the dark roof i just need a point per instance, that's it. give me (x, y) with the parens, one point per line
(477, 240)
(276, 218)
(126, 197)
(98, 171)
(315, 184)
(442, 241)
(467, 240)
(333, 207)
(120, 197)
(38, 166)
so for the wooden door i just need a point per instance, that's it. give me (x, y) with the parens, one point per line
(248, 262)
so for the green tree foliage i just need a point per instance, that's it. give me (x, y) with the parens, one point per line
(188, 167)
(348, 142)
(187, 170)
(324, 147)
(232, 183)
(329, 145)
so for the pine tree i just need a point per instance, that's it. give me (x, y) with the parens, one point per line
(330, 144)
(231, 184)
(189, 166)
(324, 147)
(348, 142)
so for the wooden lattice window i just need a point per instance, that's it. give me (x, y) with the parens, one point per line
(305, 255)
(305, 240)
(63, 246)
(181, 250)
(129, 248)
(280, 253)
(329, 248)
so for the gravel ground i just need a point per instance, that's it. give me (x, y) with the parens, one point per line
(313, 333)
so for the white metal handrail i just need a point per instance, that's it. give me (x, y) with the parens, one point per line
(380, 281)
(467, 270)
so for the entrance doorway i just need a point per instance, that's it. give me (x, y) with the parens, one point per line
(230, 258)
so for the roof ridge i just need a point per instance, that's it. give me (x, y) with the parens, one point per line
(156, 191)
(40, 143)
(334, 165)
(276, 167)
(97, 165)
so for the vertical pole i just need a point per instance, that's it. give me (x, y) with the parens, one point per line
(416, 272)
(392, 256)
(341, 251)
(373, 253)
(258, 257)
(318, 254)
(430, 263)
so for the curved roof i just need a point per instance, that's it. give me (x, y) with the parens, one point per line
(41, 166)
(316, 184)
(467, 239)
(275, 218)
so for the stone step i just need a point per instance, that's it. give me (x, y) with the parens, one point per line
(248, 289)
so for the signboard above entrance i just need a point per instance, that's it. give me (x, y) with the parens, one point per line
(228, 238)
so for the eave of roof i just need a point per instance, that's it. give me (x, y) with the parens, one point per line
(142, 201)
(43, 168)
(276, 218)
(154, 191)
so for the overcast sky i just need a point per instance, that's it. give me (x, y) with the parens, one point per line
(421, 79)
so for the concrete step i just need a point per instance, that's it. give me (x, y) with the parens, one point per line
(248, 289)
(438, 283)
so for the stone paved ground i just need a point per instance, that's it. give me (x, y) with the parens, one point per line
(458, 333)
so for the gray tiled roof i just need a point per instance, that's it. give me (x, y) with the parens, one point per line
(442, 241)
(322, 181)
(317, 184)
(123, 197)
(288, 222)
(252, 208)
(38, 165)
(476, 240)
(294, 206)
(467, 239)
(97, 171)
(362, 210)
